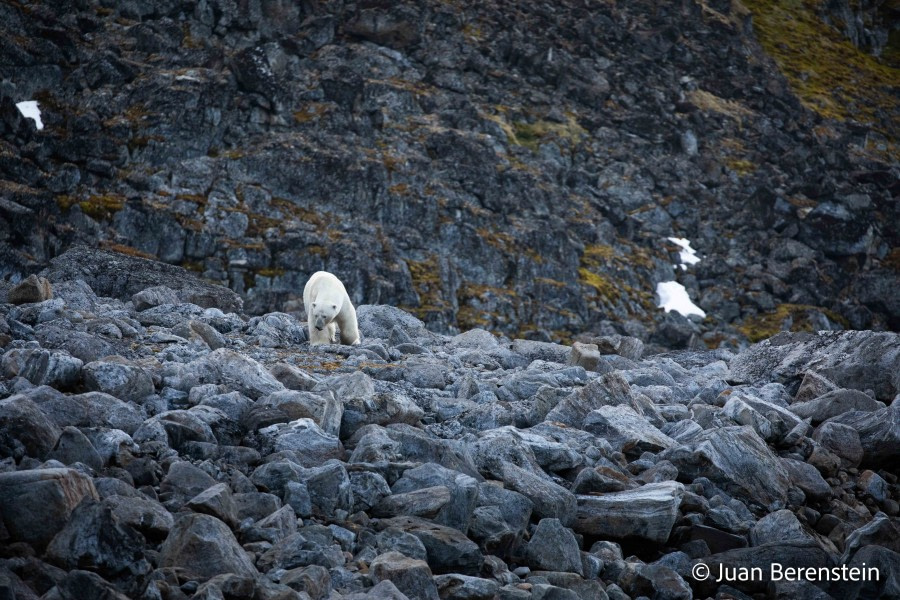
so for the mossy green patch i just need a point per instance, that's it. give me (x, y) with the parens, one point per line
(828, 73)
(100, 207)
(786, 317)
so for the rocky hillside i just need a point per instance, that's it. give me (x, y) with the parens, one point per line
(515, 166)
(157, 444)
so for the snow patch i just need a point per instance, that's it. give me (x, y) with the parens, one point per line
(673, 296)
(688, 255)
(30, 110)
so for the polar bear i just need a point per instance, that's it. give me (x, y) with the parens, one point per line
(327, 304)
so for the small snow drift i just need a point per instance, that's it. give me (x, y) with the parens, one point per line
(673, 296)
(30, 110)
(687, 255)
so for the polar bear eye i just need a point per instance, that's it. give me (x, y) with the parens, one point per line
(334, 306)
(314, 304)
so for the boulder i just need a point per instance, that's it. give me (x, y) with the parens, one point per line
(205, 547)
(31, 289)
(411, 576)
(553, 547)
(36, 504)
(648, 512)
(118, 378)
(25, 429)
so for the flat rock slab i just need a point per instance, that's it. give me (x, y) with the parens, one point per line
(852, 359)
(626, 430)
(736, 458)
(879, 433)
(648, 512)
(448, 550)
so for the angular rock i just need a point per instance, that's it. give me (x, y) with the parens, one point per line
(121, 276)
(534, 350)
(586, 356)
(323, 408)
(842, 440)
(313, 580)
(36, 504)
(411, 576)
(424, 502)
(94, 536)
(449, 551)
(879, 433)
(217, 501)
(608, 390)
(305, 439)
(154, 296)
(237, 372)
(141, 513)
(119, 379)
(463, 587)
(626, 430)
(779, 526)
(205, 547)
(73, 446)
(807, 478)
(648, 512)
(377, 321)
(456, 511)
(43, 367)
(549, 499)
(553, 548)
(293, 378)
(852, 359)
(834, 403)
(31, 289)
(737, 459)
(24, 429)
(93, 409)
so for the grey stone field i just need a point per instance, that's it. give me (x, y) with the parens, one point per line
(157, 448)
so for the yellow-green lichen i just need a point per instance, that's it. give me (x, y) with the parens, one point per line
(786, 317)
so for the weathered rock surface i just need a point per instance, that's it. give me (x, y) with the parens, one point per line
(206, 546)
(648, 512)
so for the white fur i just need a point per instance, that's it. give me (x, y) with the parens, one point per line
(327, 304)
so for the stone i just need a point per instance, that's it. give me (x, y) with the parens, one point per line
(119, 379)
(464, 587)
(154, 296)
(737, 459)
(94, 536)
(851, 359)
(293, 378)
(807, 478)
(329, 488)
(874, 485)
(217, 501)
(368, 489)
(792, 555)
(834, 403)
(411, 576)
(43, 367)
(549, 499)
(297, 551)
(448, 550)
(313, 580)
(648, 512)
(553, 547)
(626, 430)
(456, 509)
(121, 276)
(842, 440)
(36, 504)
(535, 350)
(205, 547)
(237, 372)
(323, 408)
(309, 443)
(141, 513)
(608, 390)
(779, 526)
(879, 433)
(586, 356)
(93, 409)
(183, 482)
(31, 289)
(24, 429)
(192, 329)
(397, 540)
(74, 447)
(377, 321)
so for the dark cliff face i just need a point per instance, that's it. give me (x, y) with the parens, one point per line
(515, 166)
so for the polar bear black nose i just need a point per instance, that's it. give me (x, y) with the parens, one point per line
(318, 328)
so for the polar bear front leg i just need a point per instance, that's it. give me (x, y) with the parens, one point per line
(349, 327)
(331, 331)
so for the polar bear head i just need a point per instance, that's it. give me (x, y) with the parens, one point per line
(323, 313)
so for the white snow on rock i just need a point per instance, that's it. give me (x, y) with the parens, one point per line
(30, 110)
(688, 255)
(673, 296)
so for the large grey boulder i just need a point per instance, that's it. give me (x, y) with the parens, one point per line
(834, 403)
(648, 512)
(411, 576)
(737, 459)
(289, 405)
(462, 492)
(36, 504)
(553, 547)
(608, 390)
(448, 550)
(25, 429)
(93, 409)
(43, 367)
(237, 372)
(879, 433)
(852, 359)
(118, 378)
(310, 444)
(549, 499)
(29, 290)
(121, 276)
(204, 546)
(377, 321)
(626, 430)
